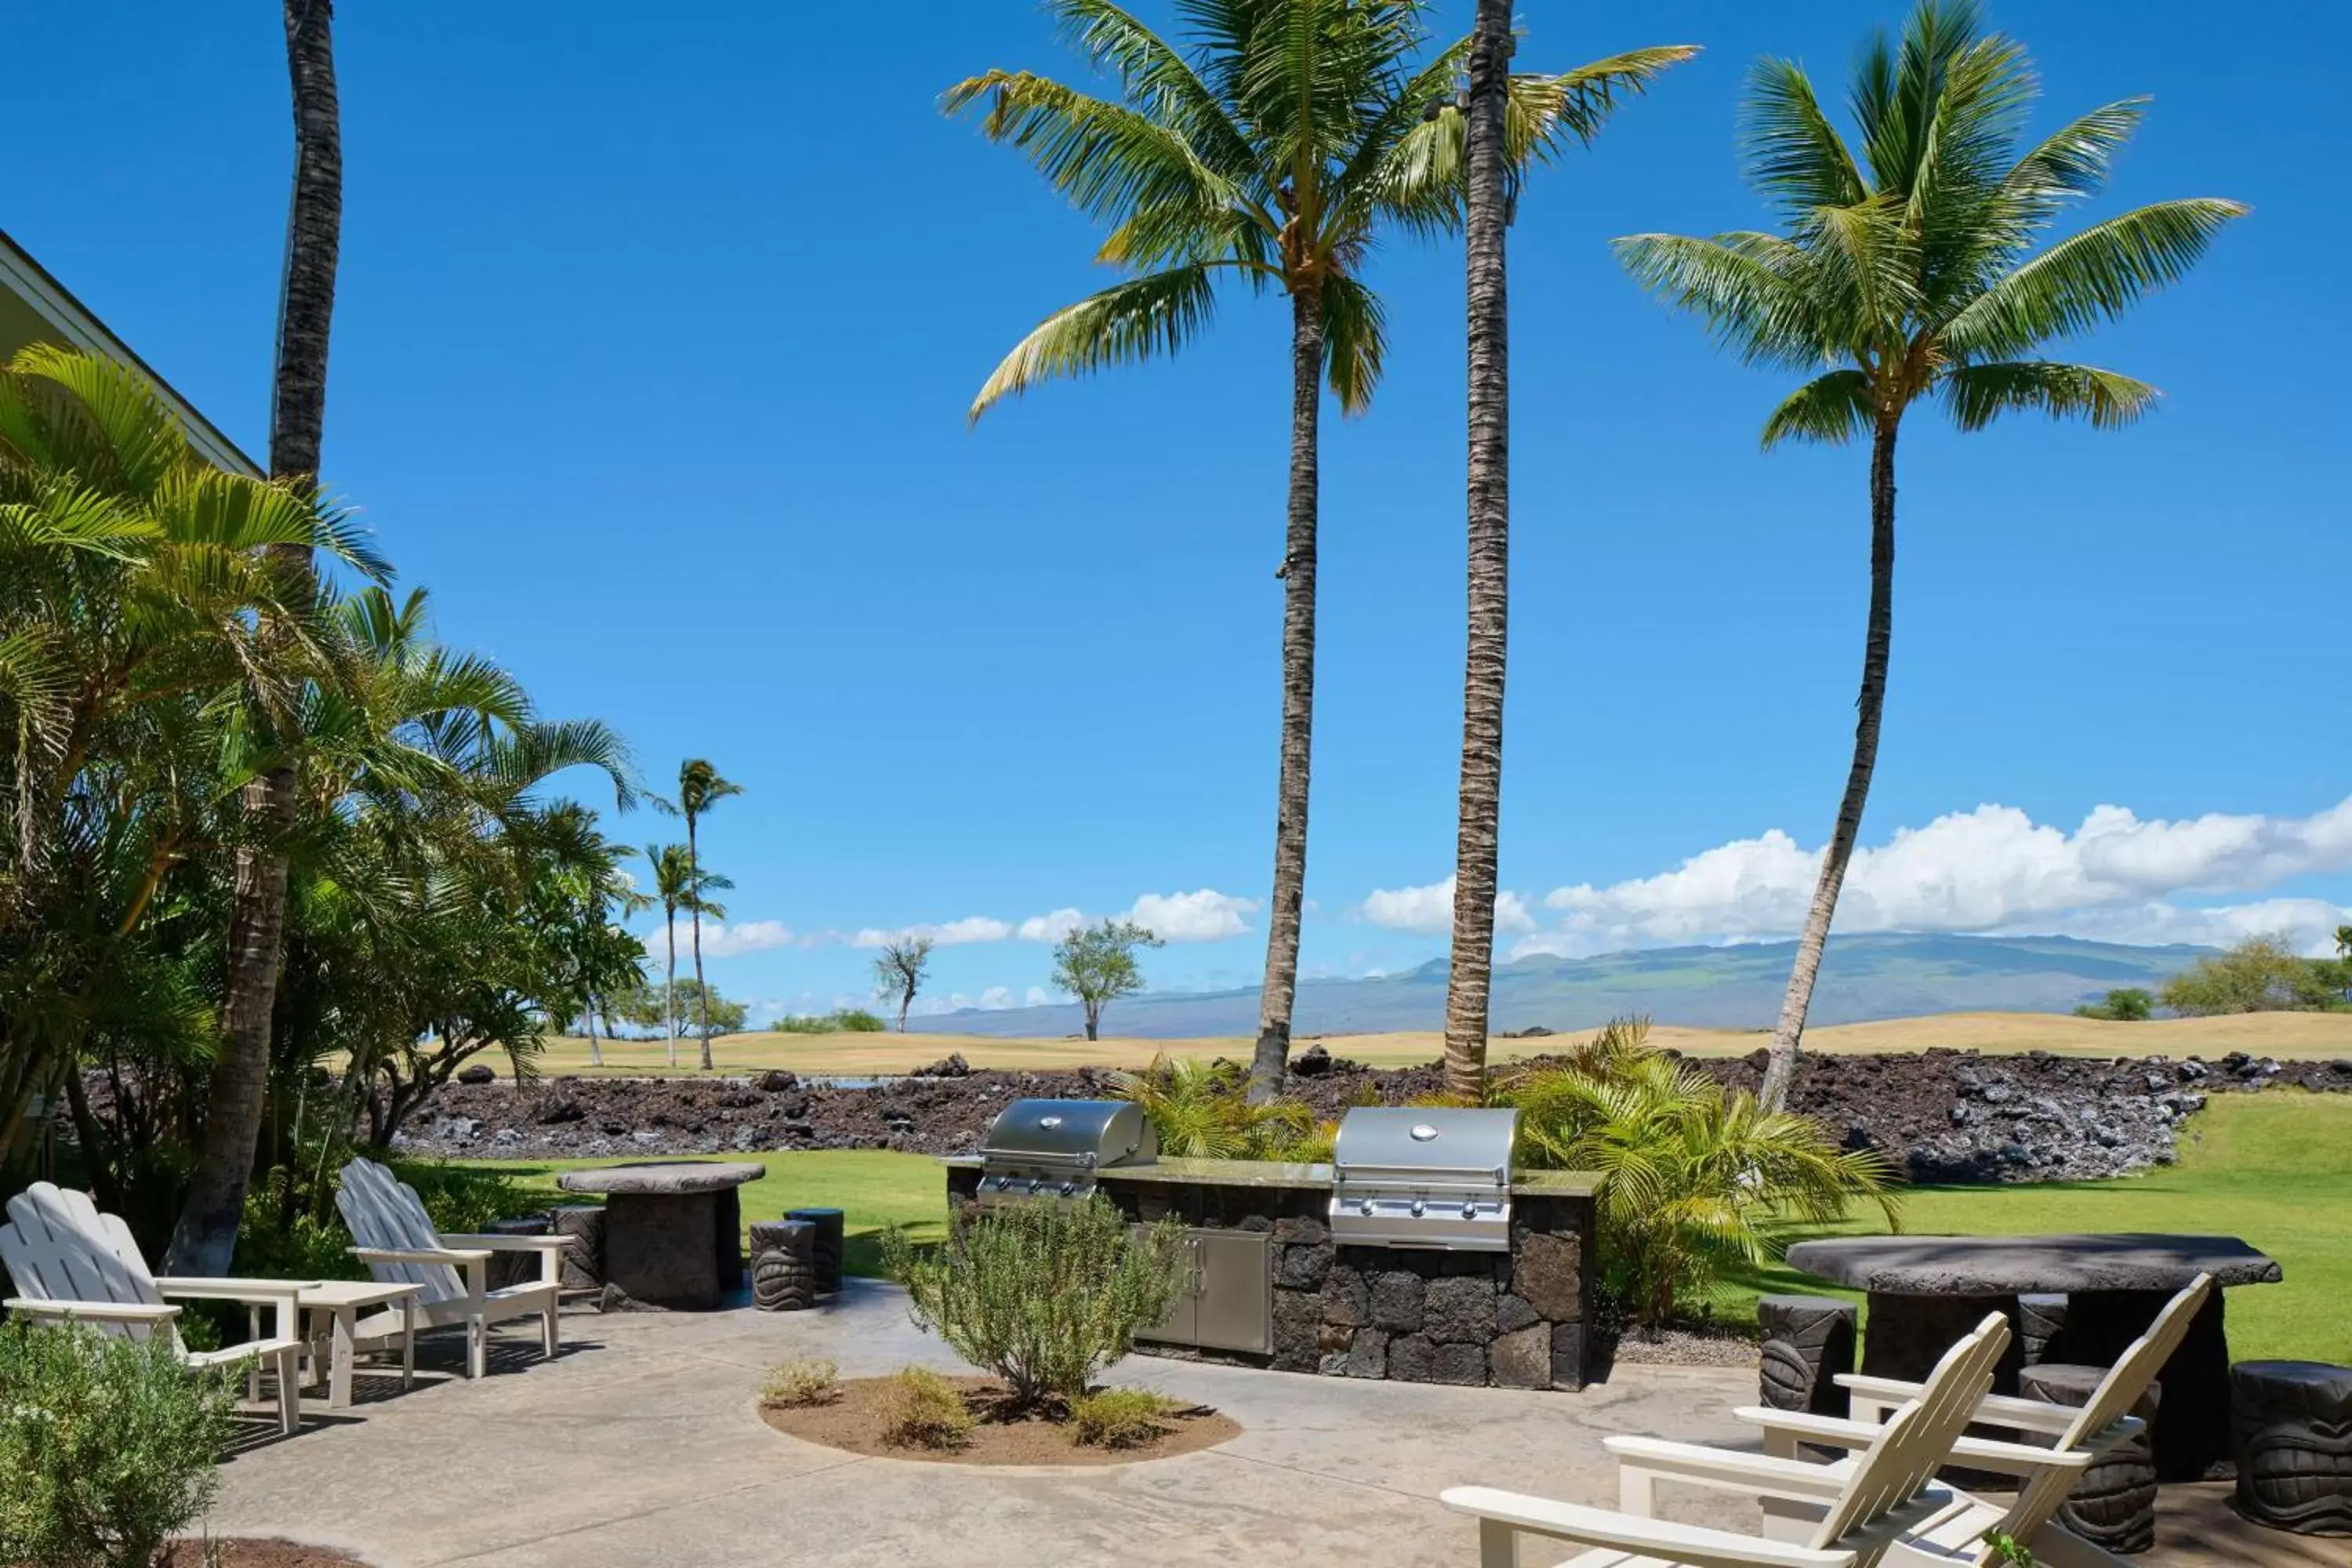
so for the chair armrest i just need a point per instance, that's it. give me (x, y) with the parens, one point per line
(509, 1243)
(1754, 1475)
(1992, 1410)
(452, 1255)
(1682, 1543)
(2021, 1459)
(96, 1311)
(1802, 1426)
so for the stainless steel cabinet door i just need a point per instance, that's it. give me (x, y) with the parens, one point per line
(1234, 1309)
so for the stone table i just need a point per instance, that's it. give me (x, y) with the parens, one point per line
(1926, 1291)
(673, 1229)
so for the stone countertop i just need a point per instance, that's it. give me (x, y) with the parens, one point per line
(2006, 1264)
(1180, 1172)
(663, 1178)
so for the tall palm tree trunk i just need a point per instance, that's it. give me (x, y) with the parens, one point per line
(1281, 988)
(205, 1235)
(669, 988)
(1781, 1069)
(1477, 842)
(701, 996)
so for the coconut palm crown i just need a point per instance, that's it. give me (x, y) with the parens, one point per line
(1271, 149)
(1917, 269)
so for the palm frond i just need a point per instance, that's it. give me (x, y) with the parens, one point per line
(1976, 394)
(1833, 409)
(1550, 112)
(2092, 278)
(1355, 341)
(1794, 155)
(1161, 83)
(1748, 288)
(1154, 314)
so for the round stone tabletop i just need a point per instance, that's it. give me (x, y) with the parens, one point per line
(663, 1178)
(2008, 1265)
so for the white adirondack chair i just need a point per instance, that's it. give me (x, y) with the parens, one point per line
(71, 1263)
(1866, 1501)
(2060, 1442)
(397, 1242)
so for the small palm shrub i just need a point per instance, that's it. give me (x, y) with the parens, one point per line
(107, 1446)
(1119, 1418)
(1040, 1295)
(801, 1381)
(1202, 1110)
(923, 1410)
(1694, 1177)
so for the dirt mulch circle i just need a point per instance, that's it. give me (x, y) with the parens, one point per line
(853, 1421)
(238, 1552)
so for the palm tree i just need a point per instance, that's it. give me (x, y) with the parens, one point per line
(206, 1232)
(1912, 271)
(699, 788)
(1269, 151)
(679, 884)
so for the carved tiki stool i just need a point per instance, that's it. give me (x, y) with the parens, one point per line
(828, 1223)
(581, 1227)
(2114, 1505)
(2039, 1319)
(783, 1266)
(1808, 1341)
(2293, 1425)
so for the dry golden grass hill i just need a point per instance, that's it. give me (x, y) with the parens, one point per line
(2289, 1036)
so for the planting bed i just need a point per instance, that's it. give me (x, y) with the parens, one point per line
(854, 1420)
(255, 1554)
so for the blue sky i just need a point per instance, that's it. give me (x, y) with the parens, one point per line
(654, 341)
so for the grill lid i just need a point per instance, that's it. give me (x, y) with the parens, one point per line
(1070, 1134)
(1422, 1145)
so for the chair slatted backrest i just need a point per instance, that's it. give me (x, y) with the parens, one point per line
(1917, 1439)
(384, 1211)
(58, 1248)
(2038, 1499)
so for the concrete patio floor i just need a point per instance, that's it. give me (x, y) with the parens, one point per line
(640, 1445)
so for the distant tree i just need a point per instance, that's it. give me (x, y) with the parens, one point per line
(2260, 974)
(1096, 964)
(899, 972)
(699, 788)
(679, 884)
(2129, 1004)
(669, 1006)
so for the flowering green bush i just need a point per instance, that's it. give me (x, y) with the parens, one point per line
(107, 1446)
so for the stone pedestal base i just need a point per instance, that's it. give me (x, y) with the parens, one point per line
(2114, 1505)
(1806, 1342)
(659, 1250)
(2293, 1431)
(2192, 1438)
(582, 1226)
(826, 1224)
(783, 1266)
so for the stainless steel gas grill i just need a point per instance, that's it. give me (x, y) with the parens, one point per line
(1049, 1150)
(1424, 1176)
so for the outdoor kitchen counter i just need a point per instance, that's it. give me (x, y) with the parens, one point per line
(1273, 1173)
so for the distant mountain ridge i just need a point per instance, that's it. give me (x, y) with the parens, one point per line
(1893, 975)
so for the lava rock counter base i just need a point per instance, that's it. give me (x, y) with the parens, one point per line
(1515, 1320)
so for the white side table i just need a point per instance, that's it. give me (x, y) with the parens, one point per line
(331, 1311)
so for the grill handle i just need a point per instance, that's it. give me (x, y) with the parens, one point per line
(1344, 1174)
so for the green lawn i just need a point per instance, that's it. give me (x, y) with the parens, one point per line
(2275, 1169)
(874, 1188)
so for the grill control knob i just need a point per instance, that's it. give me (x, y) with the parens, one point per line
(1469, 1211)
(1365, 1208)
(1069, 1187)
(1418, 1208)
(1036, 1183)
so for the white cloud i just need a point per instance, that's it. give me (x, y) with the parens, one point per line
(1037, 997)
(996, 996)
(947, 933)
(1205, 916)
(1430, 909)
(1991, 870)
(722, 940)
(1051, 927)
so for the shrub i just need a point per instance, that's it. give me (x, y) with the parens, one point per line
(1119, 1418)
(2260, 974)
(1202, 1110)
(1693, 1177)
(801, 1381)
(923, 1410)
(108, 1447)
(466, 1199)
(1041, 1295)
(845, 1021)
(2127, 1005)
